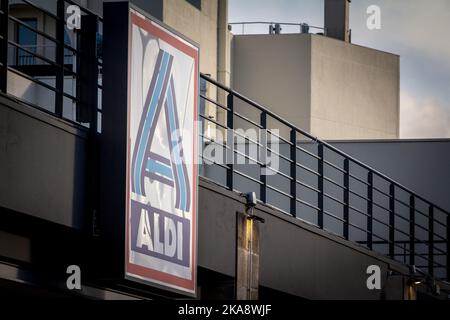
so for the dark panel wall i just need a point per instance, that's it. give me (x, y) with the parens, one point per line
(42, 165)
(295, 257)
(423, 166)
(153, 7)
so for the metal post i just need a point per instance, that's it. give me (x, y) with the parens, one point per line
(87, 73)
(263, 177)
(320, 185)
(346, 198)
(431, 240)
(392, 221)
(370, 210)
(412, 230)
(448, 247)
(59, 82)
(87, 105)
(294, 172)
(230, 140)
(4, 7)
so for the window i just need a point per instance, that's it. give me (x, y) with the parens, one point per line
(68, 54)
(27, 39)
(196, 3)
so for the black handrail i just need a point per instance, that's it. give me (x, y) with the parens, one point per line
(316, 139)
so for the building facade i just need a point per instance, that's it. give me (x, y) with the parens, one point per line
(320, 219)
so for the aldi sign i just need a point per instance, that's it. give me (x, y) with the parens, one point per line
(161, 225)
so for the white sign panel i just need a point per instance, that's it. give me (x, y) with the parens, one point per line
(162, 152)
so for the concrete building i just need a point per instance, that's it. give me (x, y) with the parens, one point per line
(330, 87)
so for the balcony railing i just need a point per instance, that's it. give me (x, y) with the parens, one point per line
(252, 27)
(55, 76)
(29, 57)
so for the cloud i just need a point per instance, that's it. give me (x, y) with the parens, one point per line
(423, 26)
(407, 25)
(417, 30)
(423, 118)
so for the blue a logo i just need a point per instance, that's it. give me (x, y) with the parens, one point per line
(147, 164)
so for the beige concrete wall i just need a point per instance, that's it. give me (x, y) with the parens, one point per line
(275, 70)
(330, 88)
(200, 26)
(354, 91)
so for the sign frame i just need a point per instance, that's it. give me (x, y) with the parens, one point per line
(132, 272)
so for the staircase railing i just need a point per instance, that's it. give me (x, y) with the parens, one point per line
(318, 183)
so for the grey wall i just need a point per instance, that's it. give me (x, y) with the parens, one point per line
(423, 166)
(154, 7)
(42, 165)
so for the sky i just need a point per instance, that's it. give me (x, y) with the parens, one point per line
(417, 30)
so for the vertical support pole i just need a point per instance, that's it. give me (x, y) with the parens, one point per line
(87, 106)
(294, 172)
(370, 210)
(448, 248)
(392, 221)
(87, 73)
(202, 121)
(431, 240)
(263, 176)
(4, 7)
(346, 198)
(59, 82)
(320, 185)
(412, 230)
(230, 140)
